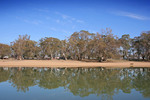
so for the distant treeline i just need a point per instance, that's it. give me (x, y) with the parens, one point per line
(81, 45)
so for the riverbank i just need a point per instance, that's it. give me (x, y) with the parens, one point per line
(69, 63)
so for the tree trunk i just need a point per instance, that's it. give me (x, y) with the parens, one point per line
(19, 58)
(81, 57)
(143, 57)
(133, 57)
(138, 57)
(99, 59)
(123, 54)
(51, 56)
(64, 56)
(123, 57)
(78, 56)
(89, 57)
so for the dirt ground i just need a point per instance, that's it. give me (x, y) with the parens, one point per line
(70, 63)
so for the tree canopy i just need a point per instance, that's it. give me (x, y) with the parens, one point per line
(81, 45)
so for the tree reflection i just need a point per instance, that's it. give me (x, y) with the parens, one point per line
(142, 82)
(80, 81)
(52, 78)
(4, 74)
(23, 79)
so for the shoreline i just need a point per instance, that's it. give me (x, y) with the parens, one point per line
(70, 64)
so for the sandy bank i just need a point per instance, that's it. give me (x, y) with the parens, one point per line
(69, 63)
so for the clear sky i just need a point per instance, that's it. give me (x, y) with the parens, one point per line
(60, 18)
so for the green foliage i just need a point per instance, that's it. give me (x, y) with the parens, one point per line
(23, 47)
(4, 50)
(141, 45)
(82, 45)
(125, 44)
(50, 46)
(18, 46)
(30, 49)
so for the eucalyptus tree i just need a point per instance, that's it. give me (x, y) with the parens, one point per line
(65, 49)
(73, 45)
(18, 46)
(50, 46)
(79, 43)
(106, 45)
(125, 45)
(145, 42)
(91, 47)
(112, 44)
(141, 45)
(100, 47)
(4, 50)
(31, 49)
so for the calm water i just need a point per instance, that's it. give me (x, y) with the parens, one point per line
(75, 83)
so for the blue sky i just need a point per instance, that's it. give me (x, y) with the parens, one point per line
(60, 18)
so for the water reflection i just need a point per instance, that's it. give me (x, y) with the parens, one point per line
(80, 81)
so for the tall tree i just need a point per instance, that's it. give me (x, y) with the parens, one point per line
(18, 46)
(100, 47)
(90, 50)
(141, 45)
(109, 44)
(79, 43)
(65, 49)
(137, 46)
(73, 45)
(31, 49)
(4, 50)
(125, 45)
(50, 46)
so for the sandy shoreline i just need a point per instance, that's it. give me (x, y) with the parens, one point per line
(69, 63)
